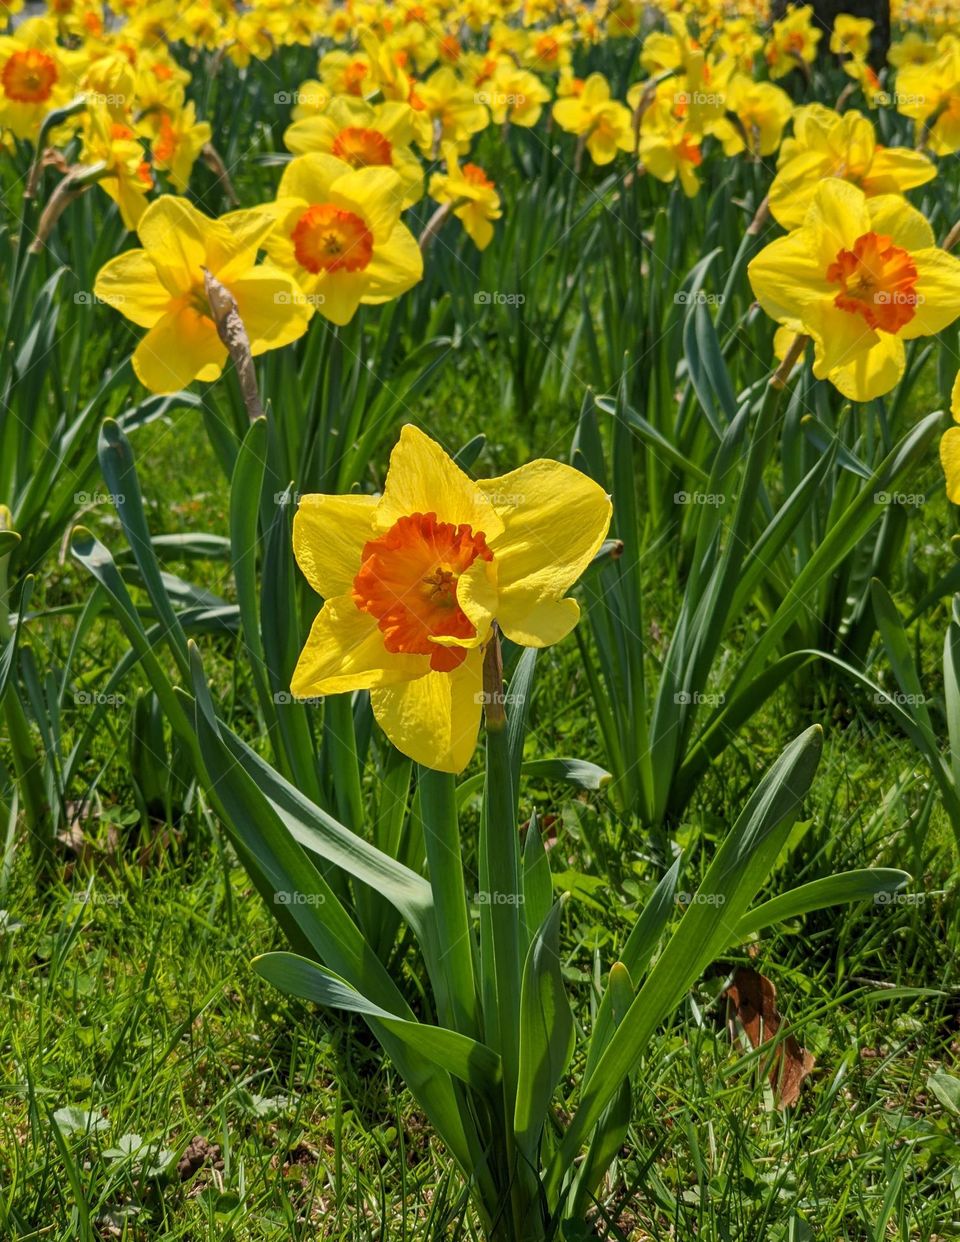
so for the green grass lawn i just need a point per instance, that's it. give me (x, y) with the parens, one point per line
(131, 1009)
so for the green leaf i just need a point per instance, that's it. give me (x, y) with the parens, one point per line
(834, 890)
(546, 1034)
(472, 1062)
(739, 868)
(946, 1088)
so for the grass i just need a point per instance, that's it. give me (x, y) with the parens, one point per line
(129, 998)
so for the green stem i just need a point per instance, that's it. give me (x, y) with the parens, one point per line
(456, 985)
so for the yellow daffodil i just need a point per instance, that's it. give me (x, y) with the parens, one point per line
(339, 235)
(668, 152)
(161, 288)
(792, 42)
(474, 198)
(35, 78)
(413, 582)
(455, 112)
(514, 96)
(950, 448)
(604, 124)
(127, 177)
(347, 74)
(828, 144)
(177, 138)
(851, 36)
(912, 49)
(930, 95)
(761, 111)
(860, 277)
(364, 135)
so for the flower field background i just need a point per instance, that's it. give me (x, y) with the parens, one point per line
(479, 620)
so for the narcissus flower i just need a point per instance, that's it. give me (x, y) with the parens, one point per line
(828, 144)
(668, 151)
(851, 36)
(34, 79)
(364, 135)
(126, 174)
(474, 198)
(761, 111)
(604, 124)
(161, 288)
(860, 277)
(792, 42)
(178, 138)
(413, 582)
(339, 235)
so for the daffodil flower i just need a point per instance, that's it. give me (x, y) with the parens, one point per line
(340, 236)
(161, 288)
(605, 125)
(861, 277)
(363, 135)
(413, 582)
(472, 196)
(830, 144)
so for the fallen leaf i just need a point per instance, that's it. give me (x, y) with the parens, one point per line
(754, 999)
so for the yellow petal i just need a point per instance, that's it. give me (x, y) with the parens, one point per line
(531, 621)
(423, 479)
(788, 275)
(180, 347)
(345, 651)
(955, 399)
(309, 177)
(555, 520)
(396, 266)
(131, 285)
(435, 719)
(328, 537)
(938, 293)
(374, 194)
(273, 310)
(837, 216)
(869, 372)
(337, 294)
(907, 227)
(232, 246)
(950, 460)
(174, 233)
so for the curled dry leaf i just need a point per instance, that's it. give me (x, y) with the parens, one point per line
(753, 999)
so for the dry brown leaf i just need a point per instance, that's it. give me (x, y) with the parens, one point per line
(754, 998)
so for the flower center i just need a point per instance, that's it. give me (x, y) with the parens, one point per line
(29, 76)
(878, 281)
(353, 78)
(328, 239)
(408, 581)
(688, 150)
(476, 176)
(362, 147)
